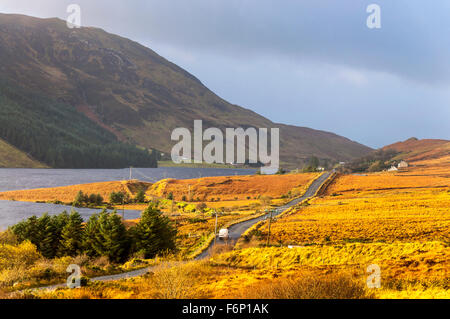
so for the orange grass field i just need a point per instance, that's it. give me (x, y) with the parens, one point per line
(356, 185)
(233, 187)
(304, 272)
(373, 207)
(399, 221)
(390, 216)
(194, 229)
(214, 189)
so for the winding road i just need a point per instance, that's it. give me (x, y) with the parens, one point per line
(235, 232)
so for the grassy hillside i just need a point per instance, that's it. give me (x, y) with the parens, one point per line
(416, 152)
(233, 187)
(12, 157)
(130, 91)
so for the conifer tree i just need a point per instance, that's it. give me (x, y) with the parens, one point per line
(72, 235)
(80, 199)
(154, 233)
(140, 196)
(27, 230)
(43, 232)
(106, 235)
(92, 245)
(59, 222)
(46, 236)
(115, 239)
(99, 199)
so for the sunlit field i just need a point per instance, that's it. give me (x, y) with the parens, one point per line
(387, 216)
(233, 187)
(320, 248)
(398, 221)
(22, 266)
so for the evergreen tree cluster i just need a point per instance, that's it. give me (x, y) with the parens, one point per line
(140, 196)
(87, 200)
(56, 134)
(104, 234)
(118, 198)
(376, 161)
(312, 164)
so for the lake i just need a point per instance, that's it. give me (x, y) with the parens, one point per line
(17, 178)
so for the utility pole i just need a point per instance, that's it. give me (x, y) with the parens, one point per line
(215, 230)
(270, 221)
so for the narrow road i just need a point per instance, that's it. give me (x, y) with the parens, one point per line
(235, 232)
(125, 275)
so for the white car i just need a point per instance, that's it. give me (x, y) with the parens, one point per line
(223, 234)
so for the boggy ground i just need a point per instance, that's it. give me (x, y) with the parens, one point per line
(321, 249)
(22, 266)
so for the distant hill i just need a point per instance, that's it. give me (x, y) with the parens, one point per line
(88, 98)
(426, 152)
(415, 150)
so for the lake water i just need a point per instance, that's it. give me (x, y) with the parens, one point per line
(17, 179)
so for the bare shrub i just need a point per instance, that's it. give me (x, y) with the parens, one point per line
(81, 260)
(175, 280)
(220, 249)
(3, 295)
(7, 237)
(101, 262)
(332, 286)
(12, 275)
(265, 201)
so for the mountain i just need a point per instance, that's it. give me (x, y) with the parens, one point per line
(83, 88)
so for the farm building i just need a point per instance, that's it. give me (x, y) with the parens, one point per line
(402, 164)
(392, 169)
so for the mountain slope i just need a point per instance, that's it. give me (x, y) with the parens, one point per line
(12, 157)
(424, 153)
(415, 150)
(131, 92)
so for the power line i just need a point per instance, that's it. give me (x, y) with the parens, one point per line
(152, 179)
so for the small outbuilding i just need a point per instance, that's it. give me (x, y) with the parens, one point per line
(402, 164)
(392, 169)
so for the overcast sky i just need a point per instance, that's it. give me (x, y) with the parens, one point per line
(307, 63)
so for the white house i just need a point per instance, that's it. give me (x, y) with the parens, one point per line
(402, 164)
(392, 169)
